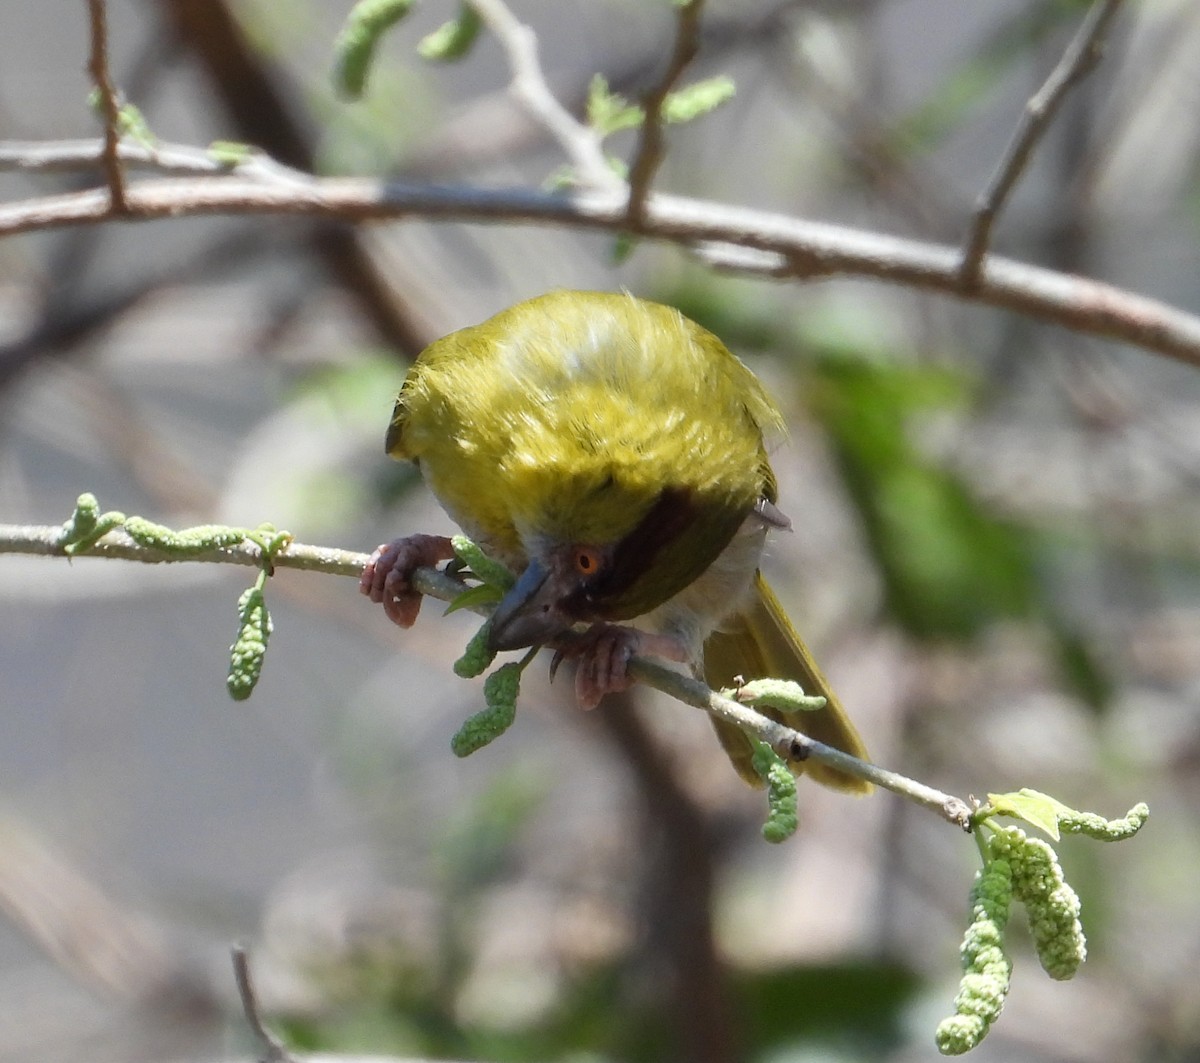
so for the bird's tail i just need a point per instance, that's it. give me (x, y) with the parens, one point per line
(760, 642)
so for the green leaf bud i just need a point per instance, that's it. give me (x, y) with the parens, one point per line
(959, 1034)
(189, 542)
(354, 49)
(1106, 830)
(452, 40)
(477, 656)
(500, 691)
(483, 567)
(782, 694)
(987, 971)
(697, 99)
(87, 525)
(249, 649)
(782, 817)
(1052, 907)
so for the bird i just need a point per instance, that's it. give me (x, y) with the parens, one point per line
(614, 454)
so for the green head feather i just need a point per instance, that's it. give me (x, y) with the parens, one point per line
(597, 419)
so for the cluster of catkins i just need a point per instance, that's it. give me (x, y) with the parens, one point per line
(1025, 869)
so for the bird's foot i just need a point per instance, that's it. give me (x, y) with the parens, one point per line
(385, 577)
(603, 653)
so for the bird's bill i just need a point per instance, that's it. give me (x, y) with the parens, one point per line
(530, 613)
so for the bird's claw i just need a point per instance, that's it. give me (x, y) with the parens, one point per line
(603, 653)
(386, 575)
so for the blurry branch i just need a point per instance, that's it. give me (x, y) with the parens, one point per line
(794, 247)
(109, 104)
(649, 154)
(273, 1048)
(263, 111)
(1082, 56)
(581, 144)
(726, 237)
(77, 925)
(46, 540)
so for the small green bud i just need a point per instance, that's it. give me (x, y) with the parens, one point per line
(609, 112)
(230, 152)
(500, 691)
(987, 971)
(959, 1034)
(782, 694)
(484, 568)
(87, 525)
(697, 99)
(452, 40)
(249, 649)
(782, 817)
(1051, 906)
(1106, 830)
(477, 656)
(189, 542)
(354, 49)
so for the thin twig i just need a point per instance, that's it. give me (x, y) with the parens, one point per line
(649, 154)
(797, 247)
(789, 743)
(580, 143)
(274, 1050)
(110, 106)
(1080, 59)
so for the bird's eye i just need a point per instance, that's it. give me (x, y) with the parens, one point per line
(587, 560)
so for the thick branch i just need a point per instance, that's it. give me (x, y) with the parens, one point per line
(789, 743)
(794, 246)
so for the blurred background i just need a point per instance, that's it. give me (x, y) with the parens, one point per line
(996, 556)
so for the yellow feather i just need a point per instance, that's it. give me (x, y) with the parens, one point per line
(760, 641)
(590, 418)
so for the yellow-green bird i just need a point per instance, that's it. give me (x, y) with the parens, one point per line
(612, 452)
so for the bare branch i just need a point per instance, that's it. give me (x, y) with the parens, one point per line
(649, 154)
(792, 246)
(110, 106)
(273, 1048)
(179, 160)
(1080, 59)
(789, 743)
(580, 143)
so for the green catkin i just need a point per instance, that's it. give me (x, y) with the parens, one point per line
(484, 568)
(1105, 830)
(189, 542)
(782, 694)
(452, 40)
(500, 691)
(1051, 905)
(355, 46)
(477, 656)
(782, 817)
(87, 525)
(987, 971)
(249, 649)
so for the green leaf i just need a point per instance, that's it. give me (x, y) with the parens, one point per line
(609, 112)
(1031, 806)
(697, 99)
(473, 596)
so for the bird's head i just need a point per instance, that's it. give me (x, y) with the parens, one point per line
(607, 554)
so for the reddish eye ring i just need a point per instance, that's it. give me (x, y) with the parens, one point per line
(587, 560)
